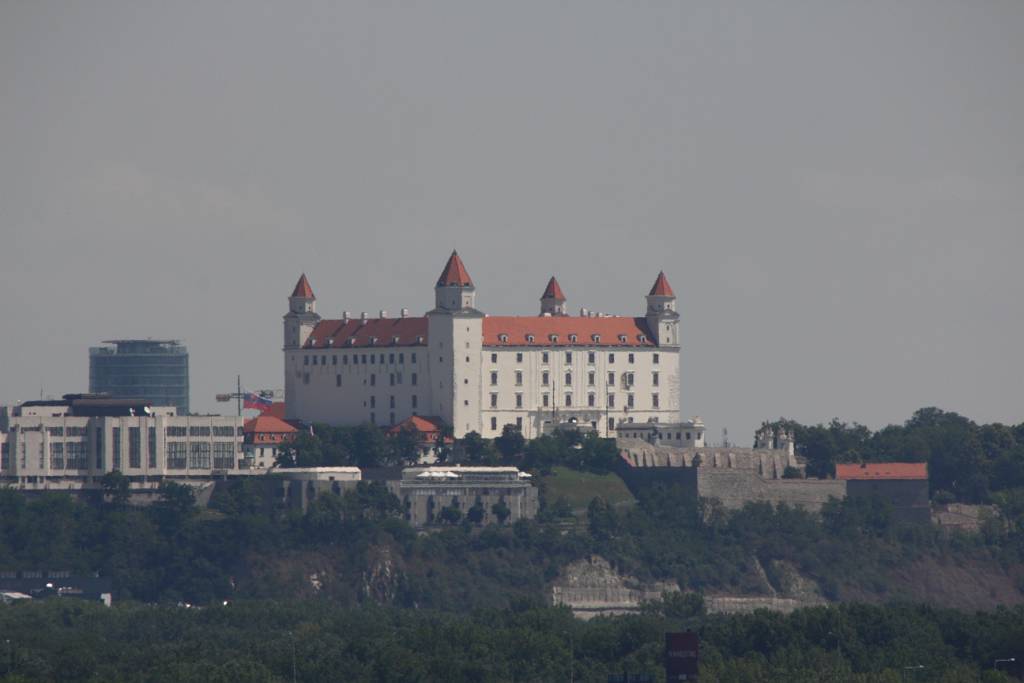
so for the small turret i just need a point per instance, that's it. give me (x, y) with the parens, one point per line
(662, 318)
(454, 290)
(552, 301)
(301, 317)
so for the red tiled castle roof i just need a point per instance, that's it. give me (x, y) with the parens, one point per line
(882, 470)
(553, 291)
(608, 331)
(454, 273)
(302, 288)
(661, 286)
(341, 334)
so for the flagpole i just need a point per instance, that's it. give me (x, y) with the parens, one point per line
(238, 396)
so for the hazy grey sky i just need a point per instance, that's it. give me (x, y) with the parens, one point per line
(835, 189)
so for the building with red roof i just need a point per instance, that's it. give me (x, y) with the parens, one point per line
(429, 433)
(263, 437)
(901, 485)
(478, 372)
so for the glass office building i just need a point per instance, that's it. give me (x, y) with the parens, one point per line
(153, 370)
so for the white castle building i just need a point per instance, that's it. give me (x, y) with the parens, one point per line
(478, 372)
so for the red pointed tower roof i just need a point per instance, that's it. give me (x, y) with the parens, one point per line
(454, 273)
(661, 286)
(303, 289)
(553, 291)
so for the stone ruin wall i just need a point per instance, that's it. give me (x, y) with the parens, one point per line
(735, 488)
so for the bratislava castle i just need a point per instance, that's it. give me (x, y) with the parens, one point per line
(478, 372)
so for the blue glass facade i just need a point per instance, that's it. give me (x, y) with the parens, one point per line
(147, 369)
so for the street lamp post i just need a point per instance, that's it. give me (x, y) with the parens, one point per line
(1008, 660)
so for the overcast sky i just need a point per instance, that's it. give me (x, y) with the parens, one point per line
(834, 189)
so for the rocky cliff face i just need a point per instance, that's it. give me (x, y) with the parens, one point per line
(592, 586)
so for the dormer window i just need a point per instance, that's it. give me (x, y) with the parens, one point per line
(529, 339)
(503, 338)
(553, 338)
(394, 340)
(312, 341)
(330, 342)
(643, 339)
(572, 338)
(373, 340)
(419, 340)
(622, 339)
(596, 338)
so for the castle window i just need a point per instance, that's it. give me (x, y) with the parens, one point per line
(373, 380)
(373, 401)
(643, 338)
(494, 379)
(391, 402)
(630, 401)
(544, 357)
(544, 377)
(611, 379)
(631, 358)
(519, 357)
(373, 418)
(519, 400)
(545, 400)
(391, 378)
(529, 338)
(611, 400)
(611, 423)
(622, 339)
(314, 360)
(494, 423)
(364, 359)
(611, 357)
(413, 379)
(392, 417)
(494, 400)
(568, 357)
(337, 380)
(553, 338)
(591, 357)
(590, 378)
(412, 356)
(401, 358)
(519, 378)
(305, 360)
(305, 378)
(655, 359)
(591, 400)
(654, 400)
(414, 401)
(519, 423)
(568, 379)
(494, 358)
(596, 338)
(334, 360)
(391, 356)
(654, 378)
(627, 377)
(382, 359)
(572, 338)
(687, 436)
(568, 400)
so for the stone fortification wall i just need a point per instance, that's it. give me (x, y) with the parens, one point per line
(770, 464)
(736, 488)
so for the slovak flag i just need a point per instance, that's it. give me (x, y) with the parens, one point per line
(256, 402)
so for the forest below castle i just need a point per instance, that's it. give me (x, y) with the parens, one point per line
(369, 564)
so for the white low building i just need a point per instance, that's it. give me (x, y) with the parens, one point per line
(72, 443)
(479, 373)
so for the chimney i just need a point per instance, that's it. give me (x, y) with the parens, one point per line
(405, 312)
(583, 313)
(383, 314)
(345, 315)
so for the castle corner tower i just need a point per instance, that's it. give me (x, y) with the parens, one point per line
(455, 340)
(552, 301)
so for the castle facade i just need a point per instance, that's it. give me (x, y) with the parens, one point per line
(479, 373)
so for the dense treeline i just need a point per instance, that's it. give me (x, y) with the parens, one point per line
(966, 461)
(70, 641)
(364, 550)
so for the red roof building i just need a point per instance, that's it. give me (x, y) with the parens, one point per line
(873, 471)
(481, 372)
